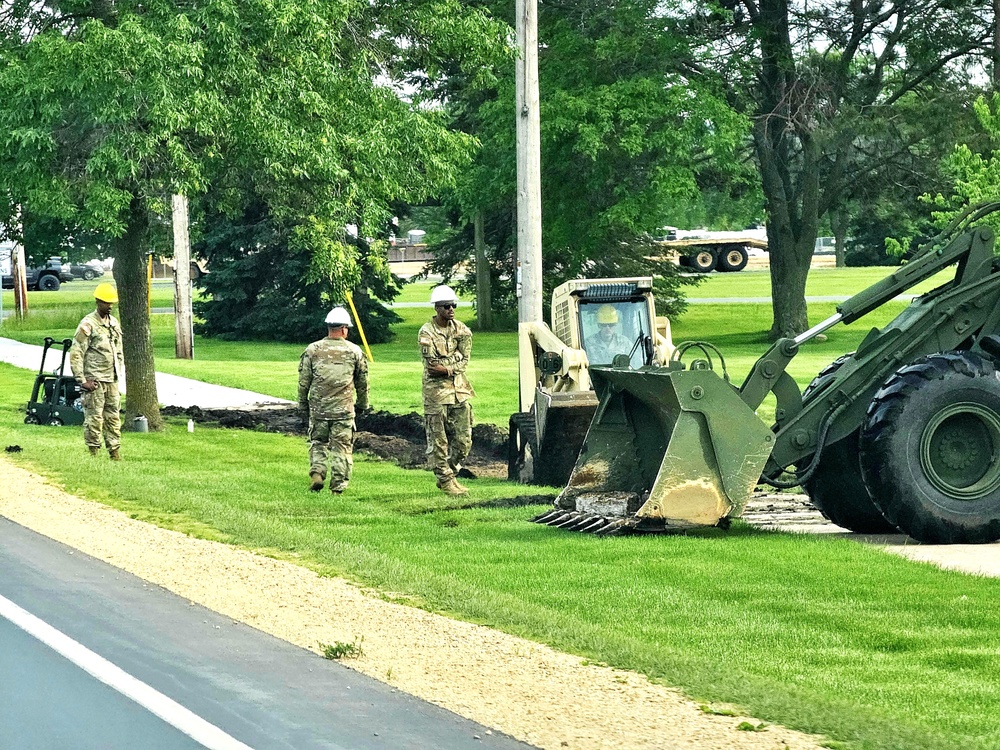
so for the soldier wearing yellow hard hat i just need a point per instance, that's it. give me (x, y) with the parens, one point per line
(99, 366)
(608, 342)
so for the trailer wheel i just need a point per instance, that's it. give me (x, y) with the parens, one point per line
(32, 419)
(704, 260)
(48, 283)
(55, 422)
(732, 259)
(930, 449)
(837, 488)
(522, 446)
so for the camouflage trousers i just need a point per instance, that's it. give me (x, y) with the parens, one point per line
(449, 436)
(102, 416)
(331, 441)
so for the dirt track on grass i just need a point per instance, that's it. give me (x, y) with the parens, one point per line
(544, 697)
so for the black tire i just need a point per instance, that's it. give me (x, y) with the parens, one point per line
(930, 449)
(31, 419)
(89, 275)
(732, 259)
(704, 260)
(522, 444)
(55, 422)
(49, 283)
(837, 487)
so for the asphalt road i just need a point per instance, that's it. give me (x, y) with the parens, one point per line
(220, 682)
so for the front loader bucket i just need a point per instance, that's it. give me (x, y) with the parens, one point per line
(668, 450)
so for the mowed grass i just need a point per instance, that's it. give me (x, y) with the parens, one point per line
(815, 632)
(739, 330)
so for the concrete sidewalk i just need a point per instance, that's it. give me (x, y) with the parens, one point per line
(172, 390)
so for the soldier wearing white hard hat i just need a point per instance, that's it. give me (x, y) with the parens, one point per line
(333, 385)
(446, 346)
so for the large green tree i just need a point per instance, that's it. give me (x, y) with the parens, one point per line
(825, 84)
(625, 134)
(107, 107)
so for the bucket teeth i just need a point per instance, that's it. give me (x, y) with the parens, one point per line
(547, 516)
(593, 525)
(615, 528)
(585, 523)
(569, 523)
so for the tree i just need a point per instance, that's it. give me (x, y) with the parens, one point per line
(108, 107)
(262, 286)
(625, 134)
(824, 83)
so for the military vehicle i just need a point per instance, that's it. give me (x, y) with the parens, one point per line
(593, 321)
(903, 433)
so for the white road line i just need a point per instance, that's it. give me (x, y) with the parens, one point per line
(153, 701)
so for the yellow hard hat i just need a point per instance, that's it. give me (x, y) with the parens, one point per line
(607, 314)
(106, 293)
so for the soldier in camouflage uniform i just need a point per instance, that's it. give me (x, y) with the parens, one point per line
(446, 345)
(98, 364)
(333, 372)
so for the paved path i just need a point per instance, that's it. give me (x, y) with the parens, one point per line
(172, 390)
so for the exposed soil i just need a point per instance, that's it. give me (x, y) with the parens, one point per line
(392, 437)
(546, 698)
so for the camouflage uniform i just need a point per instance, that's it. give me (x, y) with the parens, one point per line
(331, 372)
(601, 351)
(96, 355)
(447, 406)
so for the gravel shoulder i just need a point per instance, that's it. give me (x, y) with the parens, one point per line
(544, 697)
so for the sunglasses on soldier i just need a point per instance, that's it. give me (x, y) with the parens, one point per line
(447, 305)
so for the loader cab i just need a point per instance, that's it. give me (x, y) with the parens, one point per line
(608, 329)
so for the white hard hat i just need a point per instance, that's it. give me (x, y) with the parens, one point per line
(443, 293)
(338, 316)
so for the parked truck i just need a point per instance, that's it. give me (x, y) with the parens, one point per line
(704, 251)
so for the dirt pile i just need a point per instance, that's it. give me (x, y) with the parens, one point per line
(392, 437)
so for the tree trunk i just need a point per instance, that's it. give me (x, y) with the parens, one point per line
(789, 270)
(838, 220)
(788, 159)
(133, 309)
(484, 293)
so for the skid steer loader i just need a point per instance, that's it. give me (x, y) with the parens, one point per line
(593, 322)
(903, 433)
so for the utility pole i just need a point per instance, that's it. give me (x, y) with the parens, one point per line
(18, 271)
(529, 171)
(183, 316)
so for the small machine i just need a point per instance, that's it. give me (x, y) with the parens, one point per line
(56, 399)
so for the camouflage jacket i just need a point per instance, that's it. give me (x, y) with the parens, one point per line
(331, 373)
(96, 353)
(452, 348)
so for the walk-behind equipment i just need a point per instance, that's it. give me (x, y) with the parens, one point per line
(56, 399)
(903, 433)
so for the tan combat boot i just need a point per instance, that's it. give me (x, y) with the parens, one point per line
(115, 455)
(94, 451)
(317, 482)
(451, 487)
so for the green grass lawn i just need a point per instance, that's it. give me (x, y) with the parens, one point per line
(739, 330)
(815, 632)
